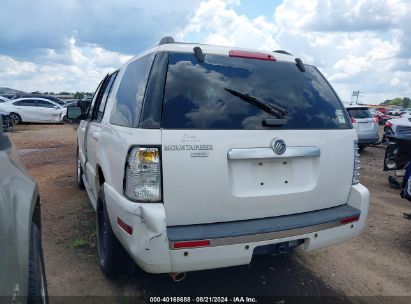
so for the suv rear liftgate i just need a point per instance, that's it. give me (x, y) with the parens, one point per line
(245, 138)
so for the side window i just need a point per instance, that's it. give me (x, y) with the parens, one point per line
(94, 100)
(44, 104)
(25, 103)
(105, 96)
(130, 94)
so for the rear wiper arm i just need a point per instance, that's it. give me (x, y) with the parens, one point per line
(274, 110)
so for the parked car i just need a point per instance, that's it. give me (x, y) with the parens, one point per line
(3, 99)
(7, 120)
(41, 96)
(381, 117)
(70, 102)
(198, 157)
(382, 110)
(22, 273)
(365, 125)
(34, 110)
(395, 111)
(403, 123)
(406, 112)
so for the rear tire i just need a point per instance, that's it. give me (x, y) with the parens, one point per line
(16, 118)
(114, 260)
(37, 286)
(361, 147)
(80, 182)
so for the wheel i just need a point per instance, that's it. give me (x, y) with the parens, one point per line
(37, 286)
(16, 118)
(80, 182)
(361, 147)
(393, 182)
(114, 260)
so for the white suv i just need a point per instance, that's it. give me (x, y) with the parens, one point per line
(197, 157)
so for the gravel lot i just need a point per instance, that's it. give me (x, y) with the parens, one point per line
(377, 263)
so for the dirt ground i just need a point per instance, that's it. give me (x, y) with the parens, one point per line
(375, 264)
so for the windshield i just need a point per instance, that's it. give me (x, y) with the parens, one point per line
(196, 95)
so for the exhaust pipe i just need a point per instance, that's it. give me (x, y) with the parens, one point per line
(178, 276)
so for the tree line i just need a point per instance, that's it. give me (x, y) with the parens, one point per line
(402, 102)
(76, 95)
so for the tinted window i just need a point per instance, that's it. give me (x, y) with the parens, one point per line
(196, 95)
(44, 104)
(106, 94)
(130, 94)
(25, 103)
(359, 113)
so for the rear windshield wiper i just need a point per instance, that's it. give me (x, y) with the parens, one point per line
(274, 110)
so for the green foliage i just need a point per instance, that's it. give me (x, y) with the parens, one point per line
(402, 102)
(406, 102)
(79, 95)
(79, 243)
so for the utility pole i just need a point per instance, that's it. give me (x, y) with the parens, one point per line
(355, 94)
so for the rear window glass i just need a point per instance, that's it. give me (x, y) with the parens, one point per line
(360, 113)
(130, 93)
(196, 94)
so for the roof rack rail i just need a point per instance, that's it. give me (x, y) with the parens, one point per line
(167, 39)
(283, 52)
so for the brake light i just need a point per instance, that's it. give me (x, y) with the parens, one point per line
(191, 244)
(142, 180)
(353, 120)
(251, 55)
(350, 219)
(388, 124)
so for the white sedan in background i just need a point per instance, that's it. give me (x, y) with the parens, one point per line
(32, 109)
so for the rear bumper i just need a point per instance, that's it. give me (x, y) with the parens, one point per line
(368, 140)
(150, 244)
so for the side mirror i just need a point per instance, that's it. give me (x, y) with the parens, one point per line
(74, 113)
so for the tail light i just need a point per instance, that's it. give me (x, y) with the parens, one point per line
(388, 124)
(356, 170)
(375, 119)
(142, 181)
(353, 120)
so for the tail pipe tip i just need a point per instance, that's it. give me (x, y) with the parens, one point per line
(178, 276)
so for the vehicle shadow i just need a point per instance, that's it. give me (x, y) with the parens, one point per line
(282, 276)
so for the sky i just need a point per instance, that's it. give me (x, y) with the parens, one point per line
(70, 45)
